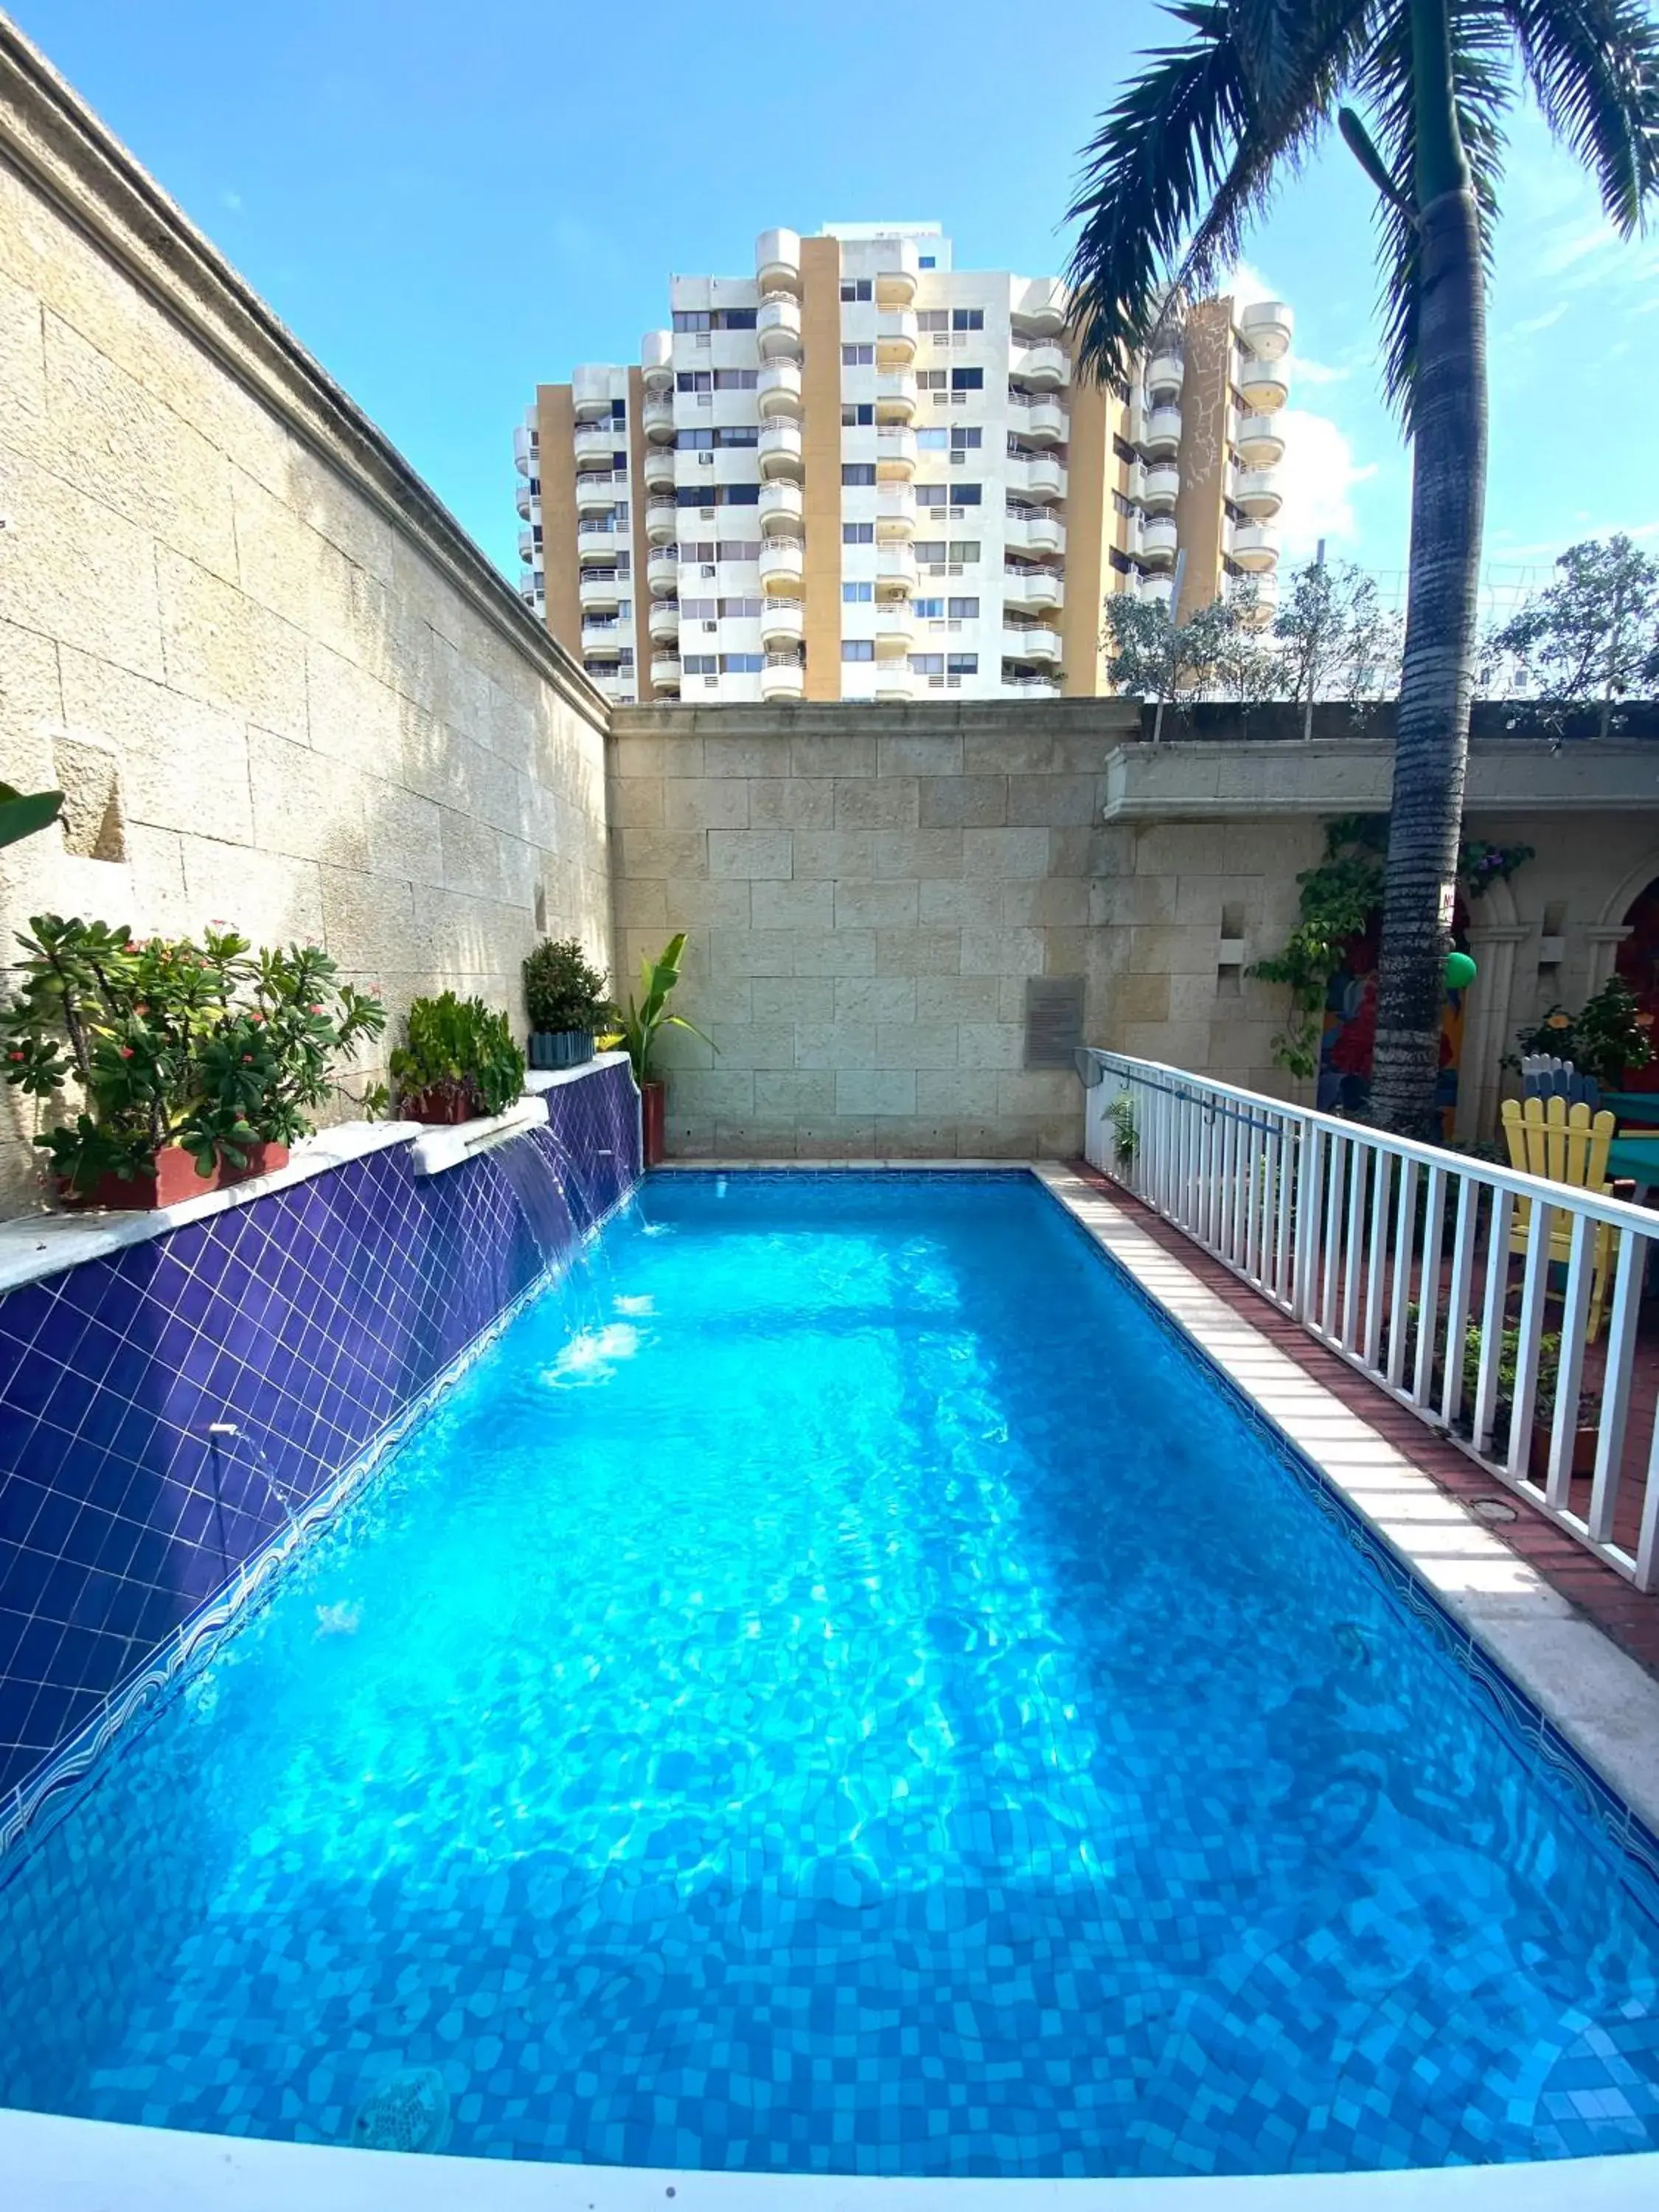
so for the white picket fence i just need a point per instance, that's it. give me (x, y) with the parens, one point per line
(1393, 1252)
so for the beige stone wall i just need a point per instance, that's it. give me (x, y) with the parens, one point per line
(866, 890)
(280, 686)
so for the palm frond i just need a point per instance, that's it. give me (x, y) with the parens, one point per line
(1593, 69)
(1485, 90)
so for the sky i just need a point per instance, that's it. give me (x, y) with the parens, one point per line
(449, 202)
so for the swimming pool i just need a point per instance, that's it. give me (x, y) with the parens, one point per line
(839, 1686)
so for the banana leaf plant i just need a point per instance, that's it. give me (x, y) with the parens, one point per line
(642, 1020)
(23, 813)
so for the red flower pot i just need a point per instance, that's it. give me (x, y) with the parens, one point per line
(445, 1103)
(652, 1104)
(262, 1159)
(172, 1180)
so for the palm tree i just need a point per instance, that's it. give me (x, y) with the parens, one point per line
(1194, 147)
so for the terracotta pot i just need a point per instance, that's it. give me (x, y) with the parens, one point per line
(173, 1180)
(445, 1103)
(1584, 1450)
(653, 1098)
(262, 1159)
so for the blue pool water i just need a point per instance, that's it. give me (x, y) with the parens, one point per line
(838, 1687)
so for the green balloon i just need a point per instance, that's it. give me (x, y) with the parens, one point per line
(1461, 971)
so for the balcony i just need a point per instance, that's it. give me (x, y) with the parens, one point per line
(1041, 419)
(525, 446)
(782, 624)
(782, 566)
(662, 521)
(777, 262)
(1255, 545)
(1037, 530)
(895, 680)
(779, 449)
(606, 635)
(590, 392)
(782, 676)
(781, 504)
(1040, 591)
(895, 396)
(1158, 539)
(595, 442)
(664, 621)
(527, 502)
(1159, 488)
(658, 415)
(895, 512)
(659, 466)
(779, 389)
(895, 572)
(1259, 442)
(1037, 475)
(1040, 309)
(597, 540)
(896, 339)
(895, 631)
(895, 286)
(1032, 687)
(1160, 435)
(1267, 327)
(1256, 491)
(1159, 590)
(1043, 366)
(665, 671)
(657, 360)
(600, 590)
(1037, 644)
(528, 548)
(1166, 370)
(1263, 385)
(662, 571)
(778, 327)
(530, 589)
(896, 455)
(595, 493)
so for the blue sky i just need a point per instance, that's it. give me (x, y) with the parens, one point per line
(447, 202)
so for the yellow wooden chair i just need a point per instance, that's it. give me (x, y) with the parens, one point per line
(1564, 1144)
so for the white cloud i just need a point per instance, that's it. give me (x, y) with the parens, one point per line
(1537, 323)
(1305, 371)
(1316, 479)
(1247, 284)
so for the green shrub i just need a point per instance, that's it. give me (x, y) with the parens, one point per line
(561, 991)
(459, 1048)
(209, 1046)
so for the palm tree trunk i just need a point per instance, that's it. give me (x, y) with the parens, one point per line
(1449, 475)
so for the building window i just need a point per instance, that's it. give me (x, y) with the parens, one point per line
(858, 472)
(740, 610)
(697, 609)
(694, 379)
(928, 261)
(741, 495)
(967, 318)
(1121, 561)
(690, 320)
(700, 664)
(927, 664)
(931, 379)
(964, 494)
(962, 664)
(934, 319)
(736, 319)
(965, 610)
(852, 418)
(965, 550)
(738, 549)
(858, 648)
(736, 379)
(619, 410)
(932, 494)
(855, 287)
(932, 441)
(967, 379)
(1123, 451)
(930, 610)
(961, 437)
(717, 319)
(739, 433)
(693, 441)
(858, 533)
(855, 595)
(858, 357)
(741, 664)
(624, 564)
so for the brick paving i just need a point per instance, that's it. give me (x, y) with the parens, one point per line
(1622, 1612)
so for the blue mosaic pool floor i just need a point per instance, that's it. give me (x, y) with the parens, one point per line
(838, 1689)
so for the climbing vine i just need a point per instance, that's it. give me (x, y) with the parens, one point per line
(1339, 897)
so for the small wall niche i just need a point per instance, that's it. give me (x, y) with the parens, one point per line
(93, 820)
(1231, 953)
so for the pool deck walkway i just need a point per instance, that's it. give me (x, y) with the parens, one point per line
(1624, 1614)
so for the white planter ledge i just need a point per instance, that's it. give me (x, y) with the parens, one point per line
(444, 1147)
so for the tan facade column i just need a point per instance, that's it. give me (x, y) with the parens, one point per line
(1206, 401)
(820, 445)
(1488, 1029)
(640, 594)
(555, 429)
(1091, 471)
(1603, 939)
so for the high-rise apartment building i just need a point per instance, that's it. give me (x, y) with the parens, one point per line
(863, 474)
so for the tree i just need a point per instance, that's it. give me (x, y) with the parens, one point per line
(1193, 148)
(1591, 635)
(1335, 638)
(1217, 653)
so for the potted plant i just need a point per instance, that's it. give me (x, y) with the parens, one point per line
(640, 1023)
(458, 1061)
(1609, 1037)
(194, 1063)
(564, 998)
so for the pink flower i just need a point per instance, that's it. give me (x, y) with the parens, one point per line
(247, 1059)
(126, 1052)
(256, 1018)
(132, 945)
(313, 1009)
(13, 1055)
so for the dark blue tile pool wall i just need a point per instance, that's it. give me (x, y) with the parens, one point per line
(308, 1320)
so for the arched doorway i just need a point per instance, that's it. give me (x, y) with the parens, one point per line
(1349, 1035)
(1637, 963)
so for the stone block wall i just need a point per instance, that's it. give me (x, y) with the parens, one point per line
(278, 683)
(866, 891)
